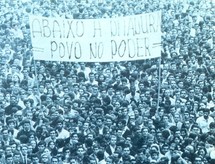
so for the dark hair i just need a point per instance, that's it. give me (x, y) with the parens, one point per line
(8, 156)
(42, 143)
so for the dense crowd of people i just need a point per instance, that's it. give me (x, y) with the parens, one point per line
(151, 111)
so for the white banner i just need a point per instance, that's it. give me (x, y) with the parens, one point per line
(96, 40)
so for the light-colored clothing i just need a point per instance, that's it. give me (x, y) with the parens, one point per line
(63, 134)
(204, 123)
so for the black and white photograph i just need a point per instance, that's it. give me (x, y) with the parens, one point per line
(107, 81)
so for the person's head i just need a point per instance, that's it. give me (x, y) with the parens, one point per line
(124, 112)
(95, 90)
(154, 154)
(24, 149)
(164, 148)
(173, 84)
(99, 121)
(86, 125)
(186, 115)
(41, 146)
(198, 160)
(121, 124)
(90, 136)
(108, 121)
(54, 160)
(167, 93)
(53, 133)
(74, 137)
(59, 125)
(13, 99)
(110, 90)
(164, 160)
(183, 93)
(17, 157)
(26, 125)
(82, 65)
(126, 150)
(8, 150)
(5, 133)
(196, 129)
(13, 146)
(113, 140)
(206, 113)
(145, 131)
(51, 145)
(16, 78)
(73, 160)
(91, 76)
(30, 149)
(177, 117)
(202, 152)
(109, 160)
(172, 147)
(80, 151)
(44, 158)
(141, 86)
(150, 139)
(165, 118)
(101, 78)
(159, 137)
(117, 104)
(9, 159)
(47, 151)
(212, 68)
(29, 115)
(189, 149)
(100, 155)
(197, 89)
(33, 143)
(160, 112)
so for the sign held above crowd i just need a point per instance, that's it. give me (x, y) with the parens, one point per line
(96, 40)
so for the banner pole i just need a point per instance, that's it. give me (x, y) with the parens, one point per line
(159, 82)
(37, 81)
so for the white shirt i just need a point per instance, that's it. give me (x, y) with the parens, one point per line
(63, 134)
(204, 124)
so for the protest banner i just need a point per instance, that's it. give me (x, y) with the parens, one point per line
(96, 40)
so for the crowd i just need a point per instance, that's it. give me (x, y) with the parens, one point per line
(152, 111)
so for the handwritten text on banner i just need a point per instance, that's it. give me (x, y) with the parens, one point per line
(96, 40)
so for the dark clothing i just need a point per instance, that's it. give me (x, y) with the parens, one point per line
(12, 109)
(23, 135)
